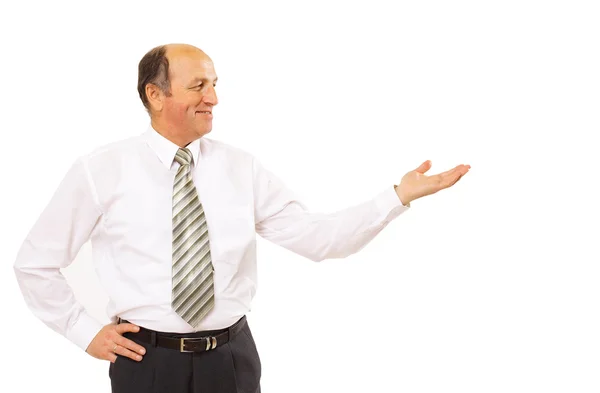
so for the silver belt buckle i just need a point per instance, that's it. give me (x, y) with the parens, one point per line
(211, 343)
(182, 344)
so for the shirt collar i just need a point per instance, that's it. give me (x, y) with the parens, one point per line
(166, 150)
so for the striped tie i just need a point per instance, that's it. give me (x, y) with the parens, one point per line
(193, 287)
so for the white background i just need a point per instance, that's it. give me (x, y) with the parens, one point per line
(490, 286)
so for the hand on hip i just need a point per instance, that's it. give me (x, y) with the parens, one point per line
(109, 342)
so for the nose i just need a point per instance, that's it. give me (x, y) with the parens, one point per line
(211, 96)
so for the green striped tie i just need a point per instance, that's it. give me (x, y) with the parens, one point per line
(193, 286)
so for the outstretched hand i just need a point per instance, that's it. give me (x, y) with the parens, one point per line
(415, 184)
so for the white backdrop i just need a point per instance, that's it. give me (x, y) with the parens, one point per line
(491, 286)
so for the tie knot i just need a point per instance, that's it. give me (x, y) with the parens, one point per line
(183, 156)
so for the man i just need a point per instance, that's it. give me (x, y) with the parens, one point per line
(172, 217)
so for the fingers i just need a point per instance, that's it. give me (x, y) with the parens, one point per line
(127, 344)
(453, 170)
(123, 346)
(109, 343)
(449, 178)
(127, 327)
(126, 352)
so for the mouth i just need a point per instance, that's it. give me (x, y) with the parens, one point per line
(204, 112)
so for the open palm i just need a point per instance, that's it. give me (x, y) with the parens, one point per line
(415, 184)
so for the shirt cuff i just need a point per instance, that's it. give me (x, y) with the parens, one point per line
(389, 204)
(84, 330)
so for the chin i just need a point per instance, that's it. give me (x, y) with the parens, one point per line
(201, 133)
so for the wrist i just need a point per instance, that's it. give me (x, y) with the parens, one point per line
(403, 198)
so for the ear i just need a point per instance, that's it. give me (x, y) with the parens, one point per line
(155, 96)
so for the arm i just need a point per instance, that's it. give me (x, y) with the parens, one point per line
(283, 220)
(53, 243)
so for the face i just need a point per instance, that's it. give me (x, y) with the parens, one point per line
(187, 112)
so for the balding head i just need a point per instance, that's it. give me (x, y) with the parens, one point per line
(178, 50)
(154, 67)
(176, 84)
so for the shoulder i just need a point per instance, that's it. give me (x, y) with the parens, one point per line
(111, 151)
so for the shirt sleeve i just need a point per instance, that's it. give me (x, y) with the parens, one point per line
(282, 219)
(64, 226)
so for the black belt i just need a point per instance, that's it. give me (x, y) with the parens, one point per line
(194, 342)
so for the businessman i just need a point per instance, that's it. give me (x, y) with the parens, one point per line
(172, 216)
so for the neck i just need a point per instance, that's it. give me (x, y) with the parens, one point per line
(168, 132)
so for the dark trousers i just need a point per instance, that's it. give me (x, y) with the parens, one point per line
(233, 367)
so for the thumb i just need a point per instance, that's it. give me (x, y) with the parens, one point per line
(424, 167)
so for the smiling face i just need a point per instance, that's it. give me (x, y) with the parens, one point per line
(186, 113)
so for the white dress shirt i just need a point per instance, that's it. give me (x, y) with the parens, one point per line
(119, 198)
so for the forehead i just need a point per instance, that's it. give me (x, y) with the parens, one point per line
(191, 66)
